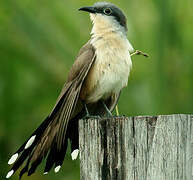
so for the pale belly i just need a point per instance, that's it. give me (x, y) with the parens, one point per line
(109, 76)
(110, 71)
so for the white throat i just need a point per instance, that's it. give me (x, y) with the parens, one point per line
(107, 27)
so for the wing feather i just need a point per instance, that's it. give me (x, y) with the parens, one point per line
(50, 136)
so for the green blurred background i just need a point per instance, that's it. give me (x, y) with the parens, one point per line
(39, 41)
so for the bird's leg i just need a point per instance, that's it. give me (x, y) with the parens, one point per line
(88, 116)
(107, 110)
(86, 109)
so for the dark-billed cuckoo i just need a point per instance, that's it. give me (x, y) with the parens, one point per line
(93, 86)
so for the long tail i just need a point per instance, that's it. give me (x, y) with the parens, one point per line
(50, 138)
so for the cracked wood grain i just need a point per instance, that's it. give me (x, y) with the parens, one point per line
(137, 148)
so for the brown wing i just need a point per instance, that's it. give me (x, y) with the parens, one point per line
(50, 135)
(83, 63)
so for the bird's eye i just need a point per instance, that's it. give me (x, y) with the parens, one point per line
(107, 11)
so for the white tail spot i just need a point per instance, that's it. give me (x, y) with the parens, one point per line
(9, 174)
(57, 169)
(13, 159)
(74, 154)
(30, 141)
(45, 173)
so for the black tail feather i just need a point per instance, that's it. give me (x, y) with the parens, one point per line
(25, 169)
(34, 166)
(38, 132)
(51, 158)
(61, 154)
(27, 152)
(73, 135)
(22, 158)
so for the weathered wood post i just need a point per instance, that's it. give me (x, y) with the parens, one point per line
(137, 148)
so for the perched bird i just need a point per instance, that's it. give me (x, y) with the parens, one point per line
(93, 86)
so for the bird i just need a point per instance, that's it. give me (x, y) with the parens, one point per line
(93, 86)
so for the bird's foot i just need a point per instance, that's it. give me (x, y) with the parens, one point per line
(88, 116)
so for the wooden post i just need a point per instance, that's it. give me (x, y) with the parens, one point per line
(137, 148)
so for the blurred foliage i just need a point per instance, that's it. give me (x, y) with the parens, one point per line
(40, 39)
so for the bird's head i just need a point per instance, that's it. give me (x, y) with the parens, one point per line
(106, 16)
